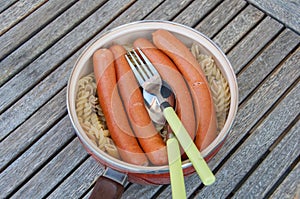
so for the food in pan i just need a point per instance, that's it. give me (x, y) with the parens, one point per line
(122, 128)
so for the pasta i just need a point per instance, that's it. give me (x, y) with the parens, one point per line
(91, 117)
(218, 85)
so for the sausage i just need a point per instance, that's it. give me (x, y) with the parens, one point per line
(169, 73)
(145, 131)
(190, 69)
(113, 110)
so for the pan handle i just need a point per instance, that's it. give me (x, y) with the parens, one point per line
(110, 185)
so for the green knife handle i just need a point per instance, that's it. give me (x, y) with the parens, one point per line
(200, 165)
(176, 173)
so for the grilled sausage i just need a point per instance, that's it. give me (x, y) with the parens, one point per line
(145, 131)
(113, 110)
(190, 69)
(169, 73)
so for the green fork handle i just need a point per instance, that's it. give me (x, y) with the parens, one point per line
(176, 173)
(200, 165)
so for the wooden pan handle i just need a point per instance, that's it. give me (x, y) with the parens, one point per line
(110, 185)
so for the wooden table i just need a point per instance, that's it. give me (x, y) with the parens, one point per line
(40, 155)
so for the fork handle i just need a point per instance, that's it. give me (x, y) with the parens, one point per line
(176, 173)
(200, 165)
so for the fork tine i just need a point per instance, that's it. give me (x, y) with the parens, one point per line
(133, 68)
(141, 66)
(148, 63)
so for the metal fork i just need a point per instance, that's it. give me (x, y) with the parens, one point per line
(147, 76)
(150, 80)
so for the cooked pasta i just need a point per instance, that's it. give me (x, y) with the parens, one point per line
(91, 116)
(218, 85)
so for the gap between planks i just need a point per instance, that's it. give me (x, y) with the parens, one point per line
(48, 28)
(18, 8)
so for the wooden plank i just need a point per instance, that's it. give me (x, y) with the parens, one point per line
(87, 196)
(37, 70)
(255, 41)
(33, 128)
(140, 191)
(266, 62)
(274, 166)
(17, 12)
(6, 4)
(220, 16)
(285, 11)
(197, 10)
(55, 81)
(59, 167)
(37, 155)
(191, 183)
(290, 187)
(168, 9)
(35, 98)
(138, 11)
(238, 27)
(260, 102)
(250, 113)
(37, 44)
(254, 147)
(63, 73)
(79, 181)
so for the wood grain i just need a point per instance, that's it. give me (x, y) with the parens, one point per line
(255, 41)
(248, 115)
(56, 169)
(266, 62)
(140, 191)
(38, 144)
(238, 27)
(56, 81)
(220, 16)
(138, 11)
(17, 12)
(31, 24)
(250, 151)
(261, 101)
(32, 129)
(196, 11)
(6, 4)
(47, 62)
(169, 9)
(79, 181)
(290, 187)
(36, 156)
(35, 98)
(285, 11)
(35, 45)
(275, 165)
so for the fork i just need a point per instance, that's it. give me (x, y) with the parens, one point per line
(150, 80)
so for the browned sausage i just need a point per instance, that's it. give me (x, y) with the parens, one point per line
(190, 69)
(148, 137)
(113, 110)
